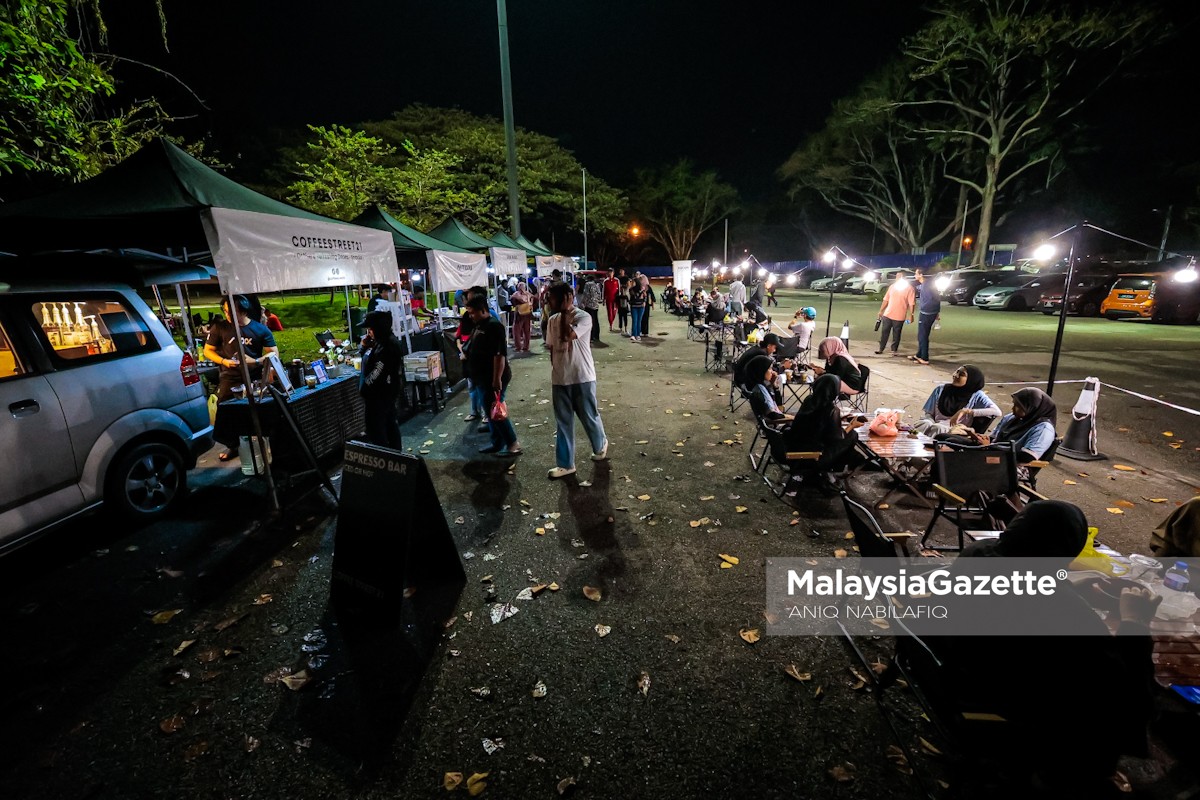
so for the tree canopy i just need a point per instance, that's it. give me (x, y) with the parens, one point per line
(677, 204)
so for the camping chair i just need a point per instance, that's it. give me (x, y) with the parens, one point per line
(872, 542)
(968, 483)
(738, 396)
(792, 465)
(860, 400)
(1034, 467)
(789, 348)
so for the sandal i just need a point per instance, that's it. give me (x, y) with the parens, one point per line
(228, 455)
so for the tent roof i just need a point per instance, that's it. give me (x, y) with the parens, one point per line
(504, 240)
(150, 200)
(406, 238)
(538, 244)
(459, 235)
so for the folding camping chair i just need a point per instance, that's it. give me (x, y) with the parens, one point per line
(872, 542)
(738, 396)
(792, 465)
(968, 483)
(860, 401)
(1034, 467)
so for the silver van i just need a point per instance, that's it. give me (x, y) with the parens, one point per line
(98, 405)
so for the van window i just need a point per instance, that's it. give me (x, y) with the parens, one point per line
(10, 365)
(91, 327)
(1133, 283)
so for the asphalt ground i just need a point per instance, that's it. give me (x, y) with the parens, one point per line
(109, 709)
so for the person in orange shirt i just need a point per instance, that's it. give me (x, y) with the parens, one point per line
(899, 302)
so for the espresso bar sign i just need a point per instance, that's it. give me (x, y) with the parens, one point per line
(371, 546)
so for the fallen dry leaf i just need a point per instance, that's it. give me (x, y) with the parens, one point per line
(163, 617)
(695, 523)
(642, 441)
(565, 785)
(1168, 434)
(643, 497)
(1114, 511)
(297, 681)
(451, 780)
(262, 599)
(476, 784)
(839, 553)
(1069, 482)
(592, 593)
(1155, 499)
(538, 690)
(672, 638)
(172, 724)
(849, 535)
(603, 630)
(841, 773)
(726, 565)
(1124, 468)
(540, 531)
(554, 587)
(1125, 504)
(794, 521)
(792, 672)
(928, 747)
(882, 624)
(740, 509)
(184, 645)
(749, 635)
(709, 497)
(195, 751)
(731, 559)
(1082, 474)
(250, 743)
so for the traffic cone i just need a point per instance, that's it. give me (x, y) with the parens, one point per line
(1080, 441)
(846, 334)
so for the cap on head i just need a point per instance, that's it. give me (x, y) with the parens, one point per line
(809, 312)
(771, 338)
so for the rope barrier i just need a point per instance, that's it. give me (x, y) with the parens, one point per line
(1192, 411)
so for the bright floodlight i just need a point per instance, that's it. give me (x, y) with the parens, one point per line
(736, 271)
(791, 280)
(723, 270)
(942, 283)
(762, 271)
(1186, 275)
(416, 277)
(716, 263)
(1044, 252)
(829, 257)
(869, 275)
(745, 264)
(848, 263)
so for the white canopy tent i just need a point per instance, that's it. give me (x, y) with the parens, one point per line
(547, 265)
(507, 261)
(683, 276)
(449, 272)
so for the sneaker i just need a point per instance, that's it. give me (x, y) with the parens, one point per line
(878, 352)
(602, 453)
(491, 448)
(560, 472)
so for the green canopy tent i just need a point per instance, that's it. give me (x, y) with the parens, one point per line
(462, 237)
(537, 243)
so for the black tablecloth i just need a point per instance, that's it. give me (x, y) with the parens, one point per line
(327, 416)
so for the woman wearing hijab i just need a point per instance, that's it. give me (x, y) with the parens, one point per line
(639, 291)
(1070, 747)
(760, 381)
(839, 362)
(961, 401)
(818, 427)
(1031, 425)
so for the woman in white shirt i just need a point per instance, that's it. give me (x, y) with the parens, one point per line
(573, 381)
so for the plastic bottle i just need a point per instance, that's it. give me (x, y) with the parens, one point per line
(1177, 577)
(937, 324)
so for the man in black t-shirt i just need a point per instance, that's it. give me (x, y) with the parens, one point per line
(221, 347)
(490, 373)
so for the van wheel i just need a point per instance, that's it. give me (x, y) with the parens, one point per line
(1017, 304)
(1090, 310)
(146, 481)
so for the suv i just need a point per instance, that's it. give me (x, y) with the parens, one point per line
(1018, 291)
(964, 283)
(103, 405)
(823, 284)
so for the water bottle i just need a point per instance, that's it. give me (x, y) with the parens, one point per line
(937, 324)
(1177, 577)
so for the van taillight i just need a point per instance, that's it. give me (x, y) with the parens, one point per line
(187, 368)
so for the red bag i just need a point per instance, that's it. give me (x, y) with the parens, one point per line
(499, 411)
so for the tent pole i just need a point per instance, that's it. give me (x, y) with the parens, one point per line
(253, 403)
(349, 327)
(186, 315)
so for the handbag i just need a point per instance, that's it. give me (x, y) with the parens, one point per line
(524, 309)
(886, 423)
(499, 411)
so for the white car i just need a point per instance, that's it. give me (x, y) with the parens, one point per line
(883, 277)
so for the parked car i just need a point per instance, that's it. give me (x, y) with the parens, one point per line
(1177, 301)
(878, 284)
(822, 284)
(806, 277)
(841, 281)
(855, 284)
(964, 283)
(103, 405)
(1018, 291)
(1132, 295)
(1085, 297)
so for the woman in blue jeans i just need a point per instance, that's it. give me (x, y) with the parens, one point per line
(573, 382)
(639, 291)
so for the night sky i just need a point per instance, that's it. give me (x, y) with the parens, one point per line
(733, 86)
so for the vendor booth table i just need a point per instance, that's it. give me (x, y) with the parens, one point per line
(327, 416)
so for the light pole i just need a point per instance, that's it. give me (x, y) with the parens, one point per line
(830, 258)
(1045, 253)
(510, 135)
(585, 261)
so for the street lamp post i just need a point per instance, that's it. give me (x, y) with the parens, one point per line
(1062, 311)
(830, 258)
